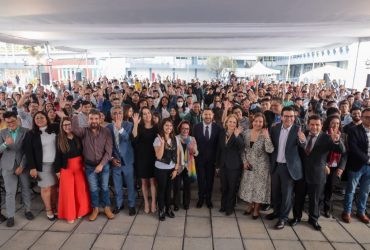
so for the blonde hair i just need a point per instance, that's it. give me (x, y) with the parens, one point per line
(228, 118)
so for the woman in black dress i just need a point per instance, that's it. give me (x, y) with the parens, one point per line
(144, 133)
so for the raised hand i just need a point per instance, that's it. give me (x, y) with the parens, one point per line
(265, 133)
(161, 139)
(136, 118)
(335, 135)
(301, 135)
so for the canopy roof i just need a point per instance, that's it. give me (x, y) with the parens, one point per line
(192, 27)
(317, 74)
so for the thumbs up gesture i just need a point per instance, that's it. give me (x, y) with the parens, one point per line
(301, 135)
(9, 140)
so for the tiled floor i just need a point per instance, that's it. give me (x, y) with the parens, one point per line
(192, 229)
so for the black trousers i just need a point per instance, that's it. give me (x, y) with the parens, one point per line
(183, 177)
(332, 180)
(282, 189)
(163, 177)
(300, 191)
(314, 192)
(205, 177)
(229, 186)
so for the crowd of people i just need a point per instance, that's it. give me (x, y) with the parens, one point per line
(269, 143)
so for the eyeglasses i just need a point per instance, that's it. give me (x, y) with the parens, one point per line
(185, 128)
(365, 117)
(11, 121)
(67, 124)
(117, 113)
(288, 116)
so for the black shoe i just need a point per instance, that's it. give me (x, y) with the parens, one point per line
(29, 215)
(209, 204)
(170, 213)
(315, 225)
(327, 213)
(175, 208)
(2, 218)
(200, 203)
(10, 222)
(186, 207)
(222, 210)
(116, 210)
(265, 207)
(131, 211)
(161, 214)
(271, 216)
(280, 224)
(293, 222)
(229, 212)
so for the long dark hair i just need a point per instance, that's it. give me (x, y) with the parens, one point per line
(141, 115)
(62, 140)
(36, 129)
(172, 134)
(326, 126)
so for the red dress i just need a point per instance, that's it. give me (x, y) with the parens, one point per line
(74, 195)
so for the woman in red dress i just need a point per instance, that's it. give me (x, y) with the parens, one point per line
(74, 199)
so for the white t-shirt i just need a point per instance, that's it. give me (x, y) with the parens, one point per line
(161, 165)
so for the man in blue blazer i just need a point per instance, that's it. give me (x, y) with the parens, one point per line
(286, 165)
(206, 134)
(122, 160)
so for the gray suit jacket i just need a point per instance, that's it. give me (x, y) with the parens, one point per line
(13, 156)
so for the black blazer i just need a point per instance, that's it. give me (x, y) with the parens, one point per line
(207, 149)
(357, 148)
(293, 159)
(33, 148)
(314, 163)
(229, 155)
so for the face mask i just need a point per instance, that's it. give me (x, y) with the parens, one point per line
(179, 104)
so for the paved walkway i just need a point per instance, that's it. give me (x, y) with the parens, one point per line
(195, 229)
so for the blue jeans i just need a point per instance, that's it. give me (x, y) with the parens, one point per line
(98, 184)
(354, 178)
(128, 174)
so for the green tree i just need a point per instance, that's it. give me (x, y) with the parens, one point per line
(217, 64)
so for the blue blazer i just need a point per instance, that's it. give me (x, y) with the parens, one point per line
(124, 151)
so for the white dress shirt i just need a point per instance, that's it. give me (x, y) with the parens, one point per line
(284, 133)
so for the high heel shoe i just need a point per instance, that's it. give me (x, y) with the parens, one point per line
(51, 216)
(246, 212)
(153, 209)
(146, 209)
(255, 217)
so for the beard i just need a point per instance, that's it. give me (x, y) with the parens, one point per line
(94, 125)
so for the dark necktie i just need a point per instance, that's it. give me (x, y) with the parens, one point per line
(309, 146)
(207, 133)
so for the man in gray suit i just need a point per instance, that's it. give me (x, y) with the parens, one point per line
(12, 164)
(286, 165)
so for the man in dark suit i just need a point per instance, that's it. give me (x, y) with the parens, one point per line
(359, 168)
(206, 134)
(317, 147)
(286, 165)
